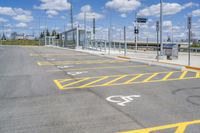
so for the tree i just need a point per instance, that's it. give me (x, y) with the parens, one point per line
(53, 33)
(168, 39)
(42, 34)
(47, 33)
(58, 36)
(3, 37)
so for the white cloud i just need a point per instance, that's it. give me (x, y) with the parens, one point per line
(196, 12)
(2, 20)
(86, 8)
(21, 25)
(23, 18)
(123, 5)
(168, 9)
(53, 7)
(89, 13)
(123, 15)
(167, 23)
(17, 14)
(52, 13)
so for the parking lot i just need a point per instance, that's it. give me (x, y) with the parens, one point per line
(52, 90)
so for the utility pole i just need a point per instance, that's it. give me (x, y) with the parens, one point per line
(172, 34)
(39, 32)
(161, 27)
(136, 31)
(125, 43)
(189, 37)
(71, 15)
(157, 30)
(85, 33)
(109, 35)
(94, 31)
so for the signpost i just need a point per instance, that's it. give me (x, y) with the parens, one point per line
(139, 20)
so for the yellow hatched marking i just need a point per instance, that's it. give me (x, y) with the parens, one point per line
(65, 80)
(167, 76)
(198, 75)
(116, 79)
(79, 81)
(183, 75)
(58, 85)
(180, 127)
(98, 80)
(133, 79)
(152, 76)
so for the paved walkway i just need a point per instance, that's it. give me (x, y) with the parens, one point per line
(151, 56)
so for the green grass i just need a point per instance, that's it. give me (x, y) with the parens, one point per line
(21, 42)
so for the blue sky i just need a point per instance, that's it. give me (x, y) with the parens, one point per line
(31, 16)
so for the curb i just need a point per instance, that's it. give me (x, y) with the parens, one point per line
(124, 57)
(141, 60)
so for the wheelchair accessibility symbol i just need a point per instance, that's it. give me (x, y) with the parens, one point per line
(122, 100)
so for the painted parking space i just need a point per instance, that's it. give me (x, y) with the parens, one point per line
(56, 54)
(116, 80)
(47, 63)
(178, 127)
(98, 68)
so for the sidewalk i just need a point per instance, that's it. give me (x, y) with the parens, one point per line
(150, 56)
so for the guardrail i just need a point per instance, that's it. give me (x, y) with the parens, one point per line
(103, 45)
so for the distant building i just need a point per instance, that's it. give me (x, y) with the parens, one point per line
(16, 36)
(29, 37)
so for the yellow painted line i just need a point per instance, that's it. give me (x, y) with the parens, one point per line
(167, 76)
(58, 85)
(119, 84)
(39, 64)
(197, 74)
(79, 81)
(133, 79)
(98, 80)
(78, 62)
(116, 79)
(180, 127)
(65, 80)
(99, 68)
(152, 76)
(161, 72)
(183, 74)
(36, 55)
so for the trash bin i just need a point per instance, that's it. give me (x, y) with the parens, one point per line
(171, 51)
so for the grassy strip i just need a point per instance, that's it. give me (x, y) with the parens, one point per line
(21, 42)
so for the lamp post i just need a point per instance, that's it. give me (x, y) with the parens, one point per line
(189, 37)
(161, 27)
(125, 43)
(85, 33)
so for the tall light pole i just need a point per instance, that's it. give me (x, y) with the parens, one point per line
(161, 27)
(71, 15)
(85, 33)
(189, 37)
(125, 42)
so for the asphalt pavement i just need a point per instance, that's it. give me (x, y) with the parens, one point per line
(52, 90)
